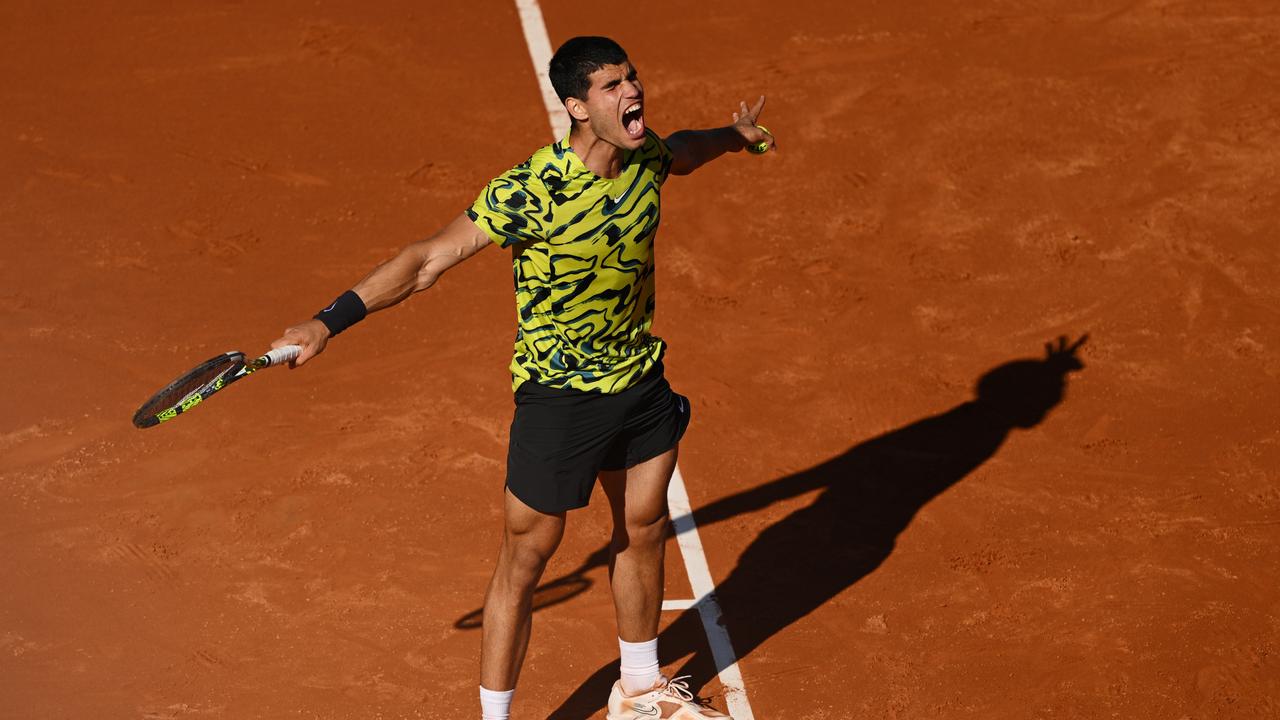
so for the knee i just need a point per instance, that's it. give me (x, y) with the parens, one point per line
(526, 557)
(647, 532)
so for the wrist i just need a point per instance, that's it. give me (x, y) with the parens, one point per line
(347, 310)
(321, 328)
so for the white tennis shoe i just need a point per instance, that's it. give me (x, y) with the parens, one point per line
(667, 700)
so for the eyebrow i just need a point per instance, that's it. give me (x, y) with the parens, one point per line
(631, 75)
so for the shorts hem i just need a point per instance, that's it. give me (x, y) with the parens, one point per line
(535, 506)
(646, 458)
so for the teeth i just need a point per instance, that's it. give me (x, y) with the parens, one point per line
(634, 107)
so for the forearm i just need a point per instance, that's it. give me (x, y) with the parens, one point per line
(395, 279)
(695, 148)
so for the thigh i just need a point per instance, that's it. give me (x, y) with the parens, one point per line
(638, 494)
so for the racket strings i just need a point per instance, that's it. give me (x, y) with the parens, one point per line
(193, 382)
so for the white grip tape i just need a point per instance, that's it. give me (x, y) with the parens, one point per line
(283, 354)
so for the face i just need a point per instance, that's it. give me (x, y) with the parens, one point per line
(614, 106)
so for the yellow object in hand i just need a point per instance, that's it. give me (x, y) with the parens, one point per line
(761, 147)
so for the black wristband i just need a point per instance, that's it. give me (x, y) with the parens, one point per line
(346, 311)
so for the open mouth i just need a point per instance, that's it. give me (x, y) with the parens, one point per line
(633, 120)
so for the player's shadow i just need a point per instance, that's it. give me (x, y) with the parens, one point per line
(869, 495)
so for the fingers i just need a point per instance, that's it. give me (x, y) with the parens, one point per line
(312, 335)
(749, 113)
(290, 338)
(754, 136)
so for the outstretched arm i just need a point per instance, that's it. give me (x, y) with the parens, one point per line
(413, 269)
(692, 149)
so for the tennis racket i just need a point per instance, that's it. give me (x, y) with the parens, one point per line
(204, 380)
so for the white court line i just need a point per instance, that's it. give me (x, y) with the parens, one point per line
(695, 563)
(695, 560)
(535, 36)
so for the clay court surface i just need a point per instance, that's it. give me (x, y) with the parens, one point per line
(956, 185)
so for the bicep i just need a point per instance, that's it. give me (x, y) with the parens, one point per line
(460, 239)
(683, 161)
(457, 241)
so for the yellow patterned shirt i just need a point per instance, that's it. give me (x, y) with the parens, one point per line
(582, 255)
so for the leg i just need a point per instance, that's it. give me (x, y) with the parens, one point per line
(638, 500)
(530, 538)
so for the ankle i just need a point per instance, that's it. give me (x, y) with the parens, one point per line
(495, 704)
(639, 665)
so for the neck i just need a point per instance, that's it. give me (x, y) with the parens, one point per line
(600, 157)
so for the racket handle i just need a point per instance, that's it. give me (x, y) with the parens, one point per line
(280, 355)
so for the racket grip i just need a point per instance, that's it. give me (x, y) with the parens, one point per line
(281, 355)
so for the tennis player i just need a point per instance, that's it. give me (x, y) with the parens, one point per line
(579, 218)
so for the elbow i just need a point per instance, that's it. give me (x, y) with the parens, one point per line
(426, 278)
(435, 256)
(432, 267)
(417, 260)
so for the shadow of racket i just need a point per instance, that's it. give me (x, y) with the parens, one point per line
(552, 593)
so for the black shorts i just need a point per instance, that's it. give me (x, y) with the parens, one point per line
(561, 439)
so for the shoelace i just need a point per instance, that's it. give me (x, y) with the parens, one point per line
(679, 687)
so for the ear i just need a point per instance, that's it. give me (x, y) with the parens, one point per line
(577, 109)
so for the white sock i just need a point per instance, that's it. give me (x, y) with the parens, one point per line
(494, 704)
(639, 665)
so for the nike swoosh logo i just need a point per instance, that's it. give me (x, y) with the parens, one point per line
(646, 710)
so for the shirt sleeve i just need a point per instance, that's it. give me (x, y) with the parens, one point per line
(511, 208)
